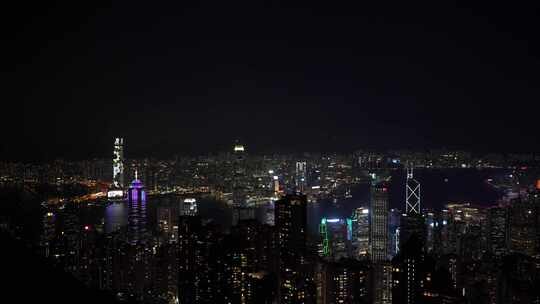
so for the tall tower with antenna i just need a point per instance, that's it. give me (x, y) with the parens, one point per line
(412, 192)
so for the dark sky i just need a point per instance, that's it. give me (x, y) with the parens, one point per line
(188, 77)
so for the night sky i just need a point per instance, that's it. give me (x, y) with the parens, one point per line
(191, 77)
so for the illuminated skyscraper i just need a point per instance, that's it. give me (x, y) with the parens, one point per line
(136, 212)
(189, 207)
(361, 232)
(431, 228)
(382, 270)
(168, 216)
(118, 163)
(239, 183)
(394, 223)
(301, 176)
(379, 222)
(336, 238)
(412, 221)
(412, 193)
(275, 184)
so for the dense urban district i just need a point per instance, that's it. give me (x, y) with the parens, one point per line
(234, 227)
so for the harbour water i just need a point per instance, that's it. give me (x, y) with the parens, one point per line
(439, 187)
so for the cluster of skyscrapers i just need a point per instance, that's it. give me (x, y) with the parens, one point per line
(171, 253)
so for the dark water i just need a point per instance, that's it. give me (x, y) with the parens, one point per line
(461, 185)
(439, 187)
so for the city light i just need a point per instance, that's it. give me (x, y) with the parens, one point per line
(372, 234)
(115, 193)
(347, 120)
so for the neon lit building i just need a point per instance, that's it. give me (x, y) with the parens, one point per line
(136, 212)
(336, 238)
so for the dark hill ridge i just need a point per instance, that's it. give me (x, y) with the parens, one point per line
(29, 278)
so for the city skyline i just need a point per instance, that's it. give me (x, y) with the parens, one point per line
(270, 152)
(241, 228)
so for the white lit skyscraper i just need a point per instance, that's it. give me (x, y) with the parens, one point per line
(379, 222)
(118, 163)
(301, 176)
(189, 207)
(382, 269)
(412, 193)
(361, 232)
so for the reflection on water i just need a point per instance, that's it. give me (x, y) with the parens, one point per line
(115, 216)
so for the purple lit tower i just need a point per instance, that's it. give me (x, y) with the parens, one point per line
(136, 212)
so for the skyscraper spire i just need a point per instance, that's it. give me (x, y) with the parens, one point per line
(409, 171)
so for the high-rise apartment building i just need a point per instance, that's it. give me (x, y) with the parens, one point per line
(291, 226)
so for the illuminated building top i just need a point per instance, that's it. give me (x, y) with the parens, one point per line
(189, 207)
(239, 148)
(136, 183)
